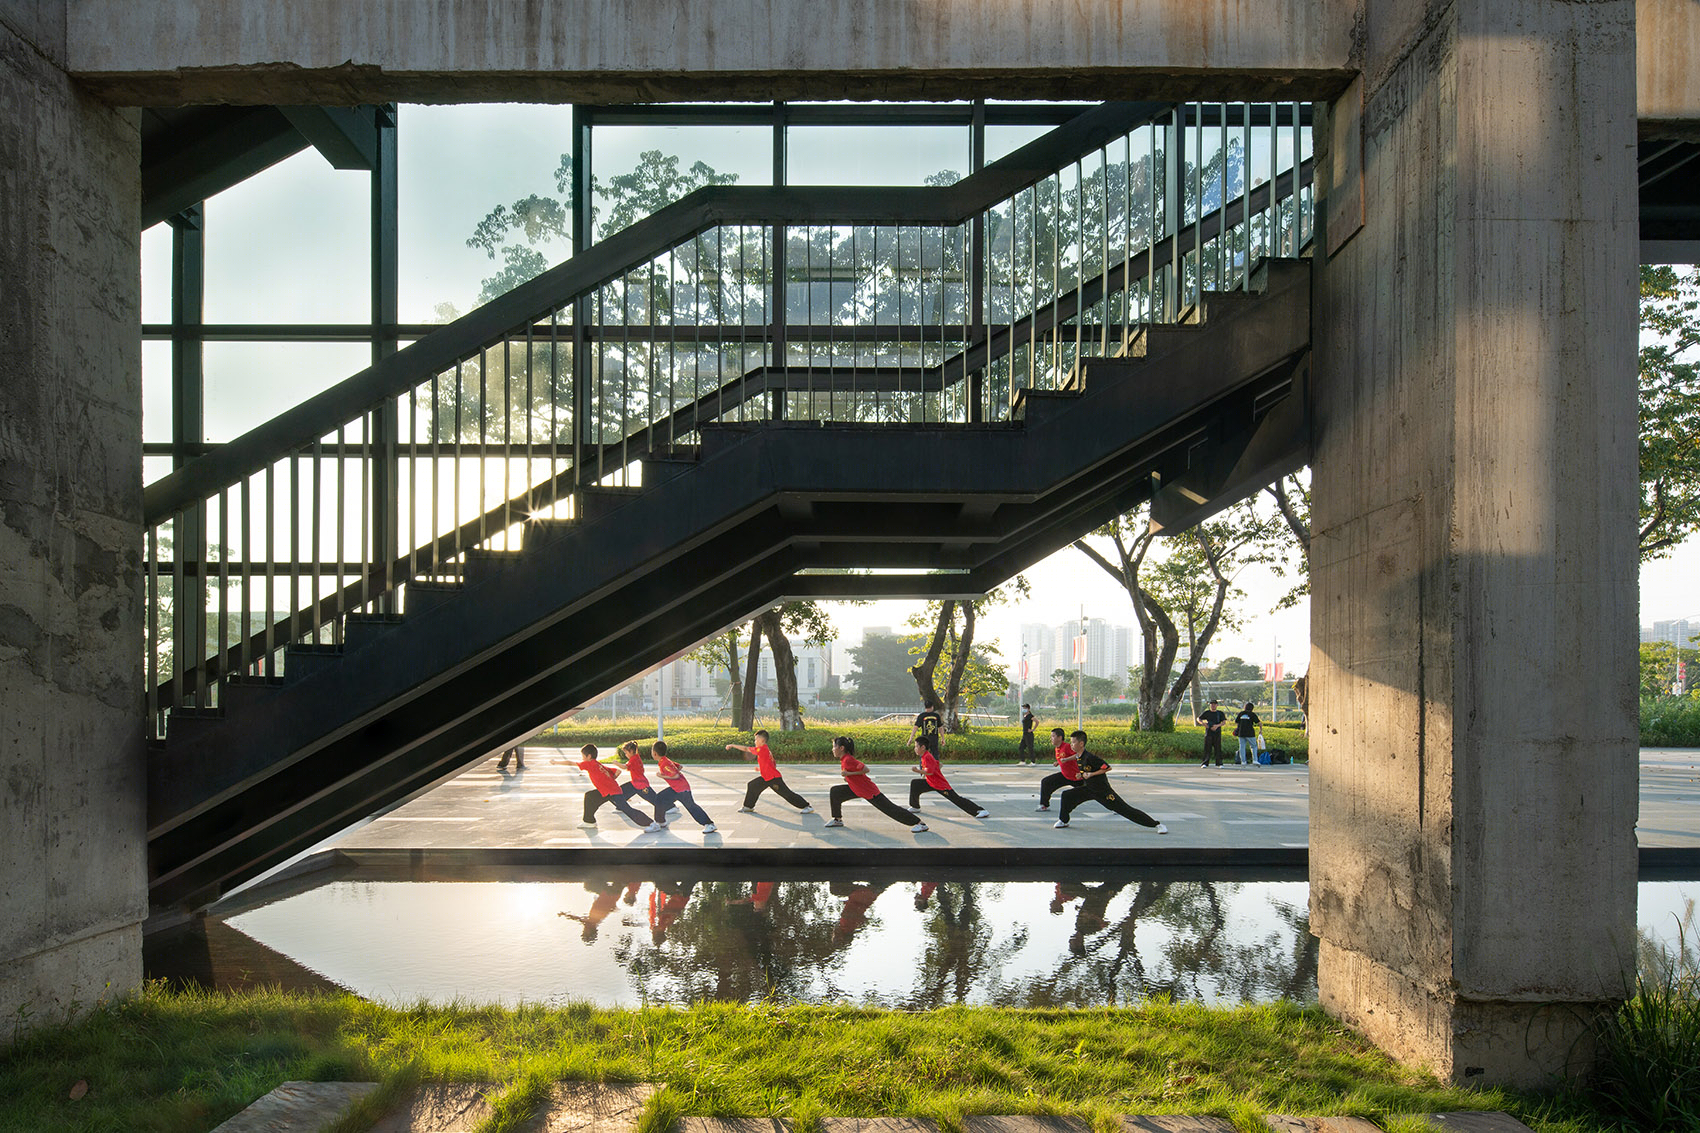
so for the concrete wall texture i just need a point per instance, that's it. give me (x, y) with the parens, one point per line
(72, 847)
(1473, 860)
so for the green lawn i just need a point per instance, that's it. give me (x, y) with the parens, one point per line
(186, 1061)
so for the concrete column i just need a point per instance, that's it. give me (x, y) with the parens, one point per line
(72, 836)
(1473, 775)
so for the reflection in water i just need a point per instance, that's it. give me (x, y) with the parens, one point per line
(904, 944)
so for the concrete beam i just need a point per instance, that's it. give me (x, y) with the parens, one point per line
(72, 850)
(1667, 67)
(1472, 846)
(343, 52)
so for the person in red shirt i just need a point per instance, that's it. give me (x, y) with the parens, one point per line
(637, 779)
(605, 790)
(857, 785)
(933, 780)
(678, 788)
(1067, 773)
(767, 778)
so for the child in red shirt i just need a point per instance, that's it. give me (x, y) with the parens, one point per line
(767, 778)
(605, 790)
(1067, 773)
(637, 779)
(933, 780)
(858, 785)
(678, 787)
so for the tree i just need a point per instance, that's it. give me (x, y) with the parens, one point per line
(1670, 409)
(1659, 661)
(1235, 669)
(1063, 682)
(1097, 690)
(1192, 584)
(720, 654)
(955, 648)
(880, 670)
(809, 621)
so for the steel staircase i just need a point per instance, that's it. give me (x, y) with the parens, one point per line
(515, 610)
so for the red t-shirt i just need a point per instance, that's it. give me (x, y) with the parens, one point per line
(635, 771)
(599, 777)
(671, 775)
(1067, 762)
(764, 762)
(934, 773)
(856, 775)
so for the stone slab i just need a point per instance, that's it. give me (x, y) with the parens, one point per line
(1476, 1121)
(298, 1107)
(445, 1107)
(591, 1107)
(877, 1125)
(1177, 1123)
(732, 1125)
(1024, 1123)
(1284, 1124)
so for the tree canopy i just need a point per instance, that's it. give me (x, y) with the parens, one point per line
(1670, 409)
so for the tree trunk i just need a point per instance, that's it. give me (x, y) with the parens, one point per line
(958, 666)
(923, 672)
(752, 673)
(1192, 648)
(1212, 556)
(784, 672)
(735, 681)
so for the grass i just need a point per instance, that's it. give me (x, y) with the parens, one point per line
(889, 743)
(1670, 721)
(188, 1060)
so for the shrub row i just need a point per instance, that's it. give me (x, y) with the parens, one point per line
(887, 743)
(1670, 721)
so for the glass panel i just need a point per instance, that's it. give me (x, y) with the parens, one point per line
(497, 173)
(1001, 141)
(156, 391)
(640, 169)
(291, 245)
(156, 274)
(248, 383)
(877, 155)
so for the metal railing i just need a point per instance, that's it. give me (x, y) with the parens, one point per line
(934, 305)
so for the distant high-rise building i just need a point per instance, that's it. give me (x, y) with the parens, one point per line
(1677, 631)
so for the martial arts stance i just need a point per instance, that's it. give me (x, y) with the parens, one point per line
(678, 788)
(1095, 785)
(1067, 773)
(768, 777)
(857, 785)
(933, 780)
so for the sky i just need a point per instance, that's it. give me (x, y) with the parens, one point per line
(292, 244)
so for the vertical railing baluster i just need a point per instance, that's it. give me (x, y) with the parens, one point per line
(313, 586)
(1297, 161)
(1245, 196)
(341, 521)
(153, 709)
(294, 547)
(223, 591)
(483, 448)
(366, 549)
(412, 487)
(507, 441)
(271, 568)
(244, 639)
(1197, 206)
(435, 417)
(625, 378)
(460, 386)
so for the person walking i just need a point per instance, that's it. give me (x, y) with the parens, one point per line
(929, 723)
(1095, 786)
(604, 789)
(678, 789)
(858, 785)
(767, 778)
(1067, 773)
(1025, 753)
(1212, 718)
(932, 779)
(515, 753)
(1247, 729)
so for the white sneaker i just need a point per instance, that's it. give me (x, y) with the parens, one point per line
(709, 829)
(653, 828)
(1043, 806)
(589, 824)
(746, 810)
(984, 814)
(918, 828)
(807, 810)
(1162, 828)
(835, 822)
(1060, 824)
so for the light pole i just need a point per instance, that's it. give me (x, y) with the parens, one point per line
(1080, 675)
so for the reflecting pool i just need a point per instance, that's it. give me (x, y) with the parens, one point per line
(892, 943)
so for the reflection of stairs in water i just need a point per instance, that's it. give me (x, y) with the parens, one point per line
(715, 534)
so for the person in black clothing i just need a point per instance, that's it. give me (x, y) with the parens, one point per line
(1095, 785)
(1246, 728)
(1025, 752)
(1213, 719)
(928, 724)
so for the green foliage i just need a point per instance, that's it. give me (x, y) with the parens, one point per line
(1659, 668)
(169, 1061)
(1232, 669)
(880, 670)
(1670, 721)
(1670, 409)
(1649, 1051)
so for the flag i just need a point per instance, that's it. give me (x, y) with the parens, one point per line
(1273, 671)
(1024, 670)
(1080, 650)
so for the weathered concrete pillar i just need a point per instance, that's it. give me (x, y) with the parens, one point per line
(72, 834)
(1473, 780)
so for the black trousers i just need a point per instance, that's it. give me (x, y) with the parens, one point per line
(1090, 790)
(593, 800)
(664, 803)
(1051, 784)
(918, 787)
(778, 787)
(1026, 748)
(842, 794)
(1212, 743)
(630, 790)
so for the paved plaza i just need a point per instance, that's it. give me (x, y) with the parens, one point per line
(1228, 815)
